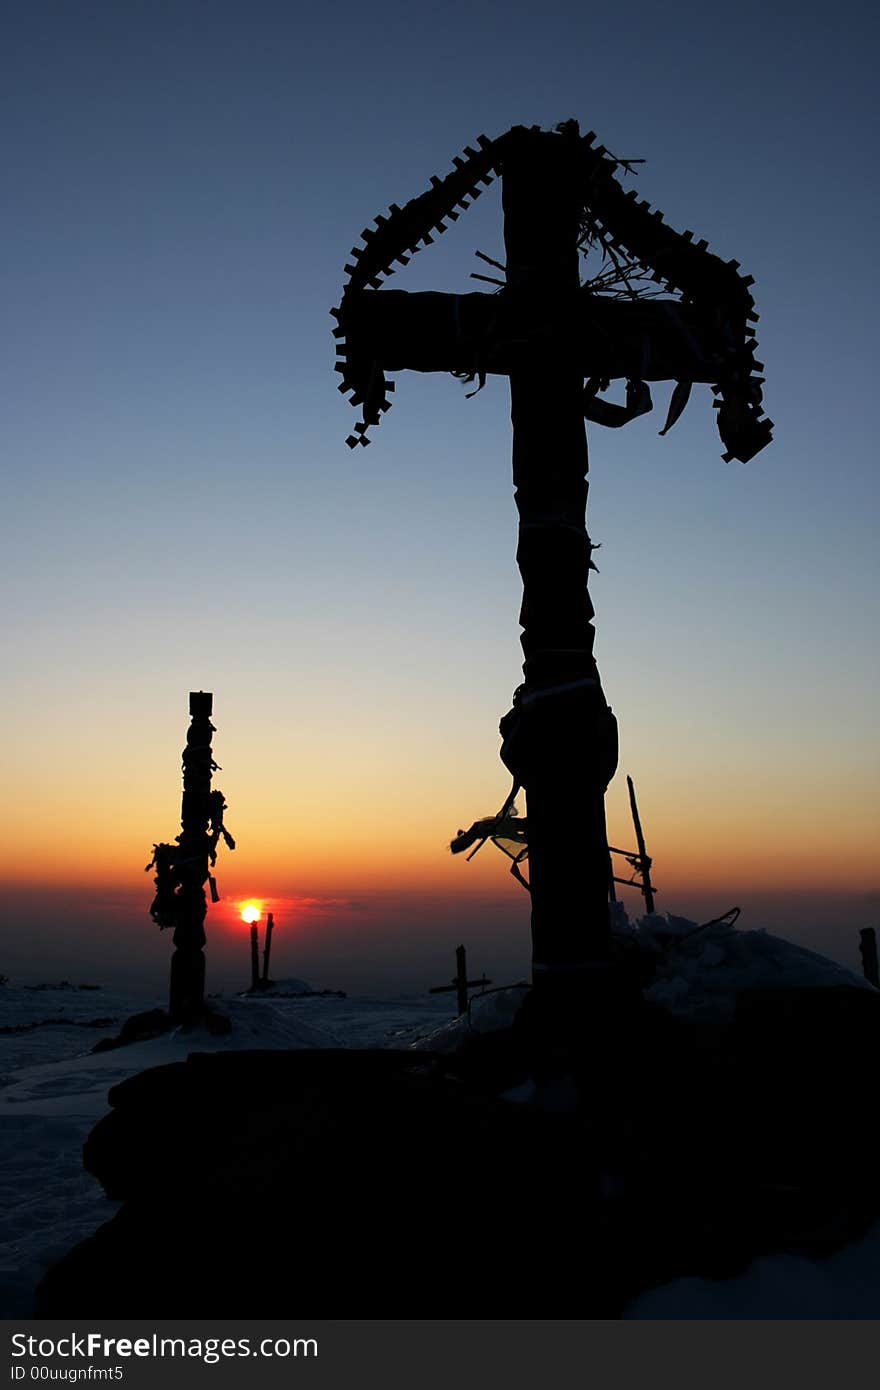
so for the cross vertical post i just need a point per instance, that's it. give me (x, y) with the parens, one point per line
(187, 995)
(562, 744)
(549, 334)
(183, 868)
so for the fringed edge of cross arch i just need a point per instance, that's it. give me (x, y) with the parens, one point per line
(673, 259)
(394, 239)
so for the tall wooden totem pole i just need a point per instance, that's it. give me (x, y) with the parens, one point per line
(184, 868)
(560, 342)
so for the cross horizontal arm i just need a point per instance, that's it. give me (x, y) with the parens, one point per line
(645, 340)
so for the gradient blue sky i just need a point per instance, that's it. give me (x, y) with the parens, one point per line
(183, 184)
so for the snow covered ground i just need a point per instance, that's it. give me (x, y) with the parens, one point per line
(845, 1285)
(703, 969)
(53, 1090)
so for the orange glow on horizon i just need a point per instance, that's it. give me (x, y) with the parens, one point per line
(736, 831)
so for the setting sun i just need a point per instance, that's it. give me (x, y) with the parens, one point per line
(250, 913)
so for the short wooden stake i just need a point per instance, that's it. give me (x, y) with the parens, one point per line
(267, 948)
(461, 979)
(255, 958)
(868, 948)
(647, 887)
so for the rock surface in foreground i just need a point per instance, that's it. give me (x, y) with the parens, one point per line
(405, 1184)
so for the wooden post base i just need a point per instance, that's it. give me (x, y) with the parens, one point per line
(187, 993)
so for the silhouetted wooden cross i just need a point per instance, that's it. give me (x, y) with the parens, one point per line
(461, 984)
(547, 333)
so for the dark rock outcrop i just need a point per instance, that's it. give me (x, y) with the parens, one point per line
(261, 1183)
(401, 1184)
